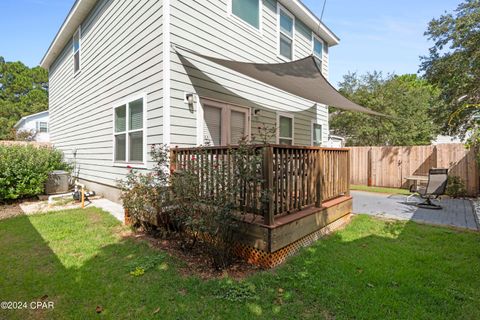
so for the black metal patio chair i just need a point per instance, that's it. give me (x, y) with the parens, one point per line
(436, 186)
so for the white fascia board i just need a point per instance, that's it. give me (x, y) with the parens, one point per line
(23, 119)
(77, 15)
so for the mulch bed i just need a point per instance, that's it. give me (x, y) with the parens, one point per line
(10, 210)
(195, 262)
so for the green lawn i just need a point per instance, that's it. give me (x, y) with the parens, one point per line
(381, 190)
(371, 270)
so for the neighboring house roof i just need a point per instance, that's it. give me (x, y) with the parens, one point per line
(333, 137)
(81, 9)
(19, 123)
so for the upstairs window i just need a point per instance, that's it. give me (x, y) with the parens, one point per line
(248, 11)
(285, 129)
(286, 23)
(76, 51)
(316, 135)
(318, 48)
(129, 132)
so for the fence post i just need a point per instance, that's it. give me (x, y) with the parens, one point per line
(369, 167)
(268, 184)
(318, 174)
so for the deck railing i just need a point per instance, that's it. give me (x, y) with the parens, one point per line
(287, 179)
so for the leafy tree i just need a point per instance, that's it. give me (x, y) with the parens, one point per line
(408, 100)
(23, 91)
(454, 65)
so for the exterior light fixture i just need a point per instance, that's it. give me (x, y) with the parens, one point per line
(190, 98)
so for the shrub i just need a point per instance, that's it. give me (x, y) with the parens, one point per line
(456, 187)
(146, 195)
(25, 135)
(24, 170)
(193, 210)
(203, 202)
(210, 195)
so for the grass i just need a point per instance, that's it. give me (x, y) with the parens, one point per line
(381, 190)
(373, 269)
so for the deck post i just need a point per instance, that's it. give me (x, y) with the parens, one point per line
(349, 172)
(268, 185)
(173, 160)
(318, 175)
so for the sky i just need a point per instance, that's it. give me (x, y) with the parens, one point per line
(381, 35)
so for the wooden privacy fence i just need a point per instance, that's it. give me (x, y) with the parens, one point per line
(389, 166)
(287, 178)
(24, 143)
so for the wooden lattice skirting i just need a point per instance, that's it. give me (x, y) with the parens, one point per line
(270, 260)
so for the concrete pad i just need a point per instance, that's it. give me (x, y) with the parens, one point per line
(455, 212)
(115, 209)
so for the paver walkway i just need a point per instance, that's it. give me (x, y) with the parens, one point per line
(455, 212)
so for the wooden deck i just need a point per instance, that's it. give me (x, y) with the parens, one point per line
(299, 191)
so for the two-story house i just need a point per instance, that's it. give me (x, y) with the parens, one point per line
(126, 75)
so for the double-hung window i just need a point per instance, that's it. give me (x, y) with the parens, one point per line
(318, 48)
(129, 132)
(42, 127)
(285, 129)
(76, 51)
(248, 11)
(316, 135)
(286, 28)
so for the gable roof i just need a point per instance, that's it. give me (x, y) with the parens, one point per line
(78, 13)
(81, 9)
(28, 117)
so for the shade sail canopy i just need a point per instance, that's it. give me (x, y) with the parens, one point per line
(302, 78)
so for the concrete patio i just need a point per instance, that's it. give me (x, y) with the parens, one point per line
(455, 212)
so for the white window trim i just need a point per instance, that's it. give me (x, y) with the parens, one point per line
(279, 32)
(40, 126)
(245, 25)
(79, 32)
(127, 163)
(285, 115)
(226, 107)
(314, 36)
(313, 123)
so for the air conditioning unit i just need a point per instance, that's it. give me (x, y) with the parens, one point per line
(57, 182)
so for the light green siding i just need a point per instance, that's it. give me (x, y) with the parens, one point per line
(208, 28)
(121, 55)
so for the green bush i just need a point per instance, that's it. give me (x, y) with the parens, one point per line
(24, 170)
(456, 187)
(146, 196)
